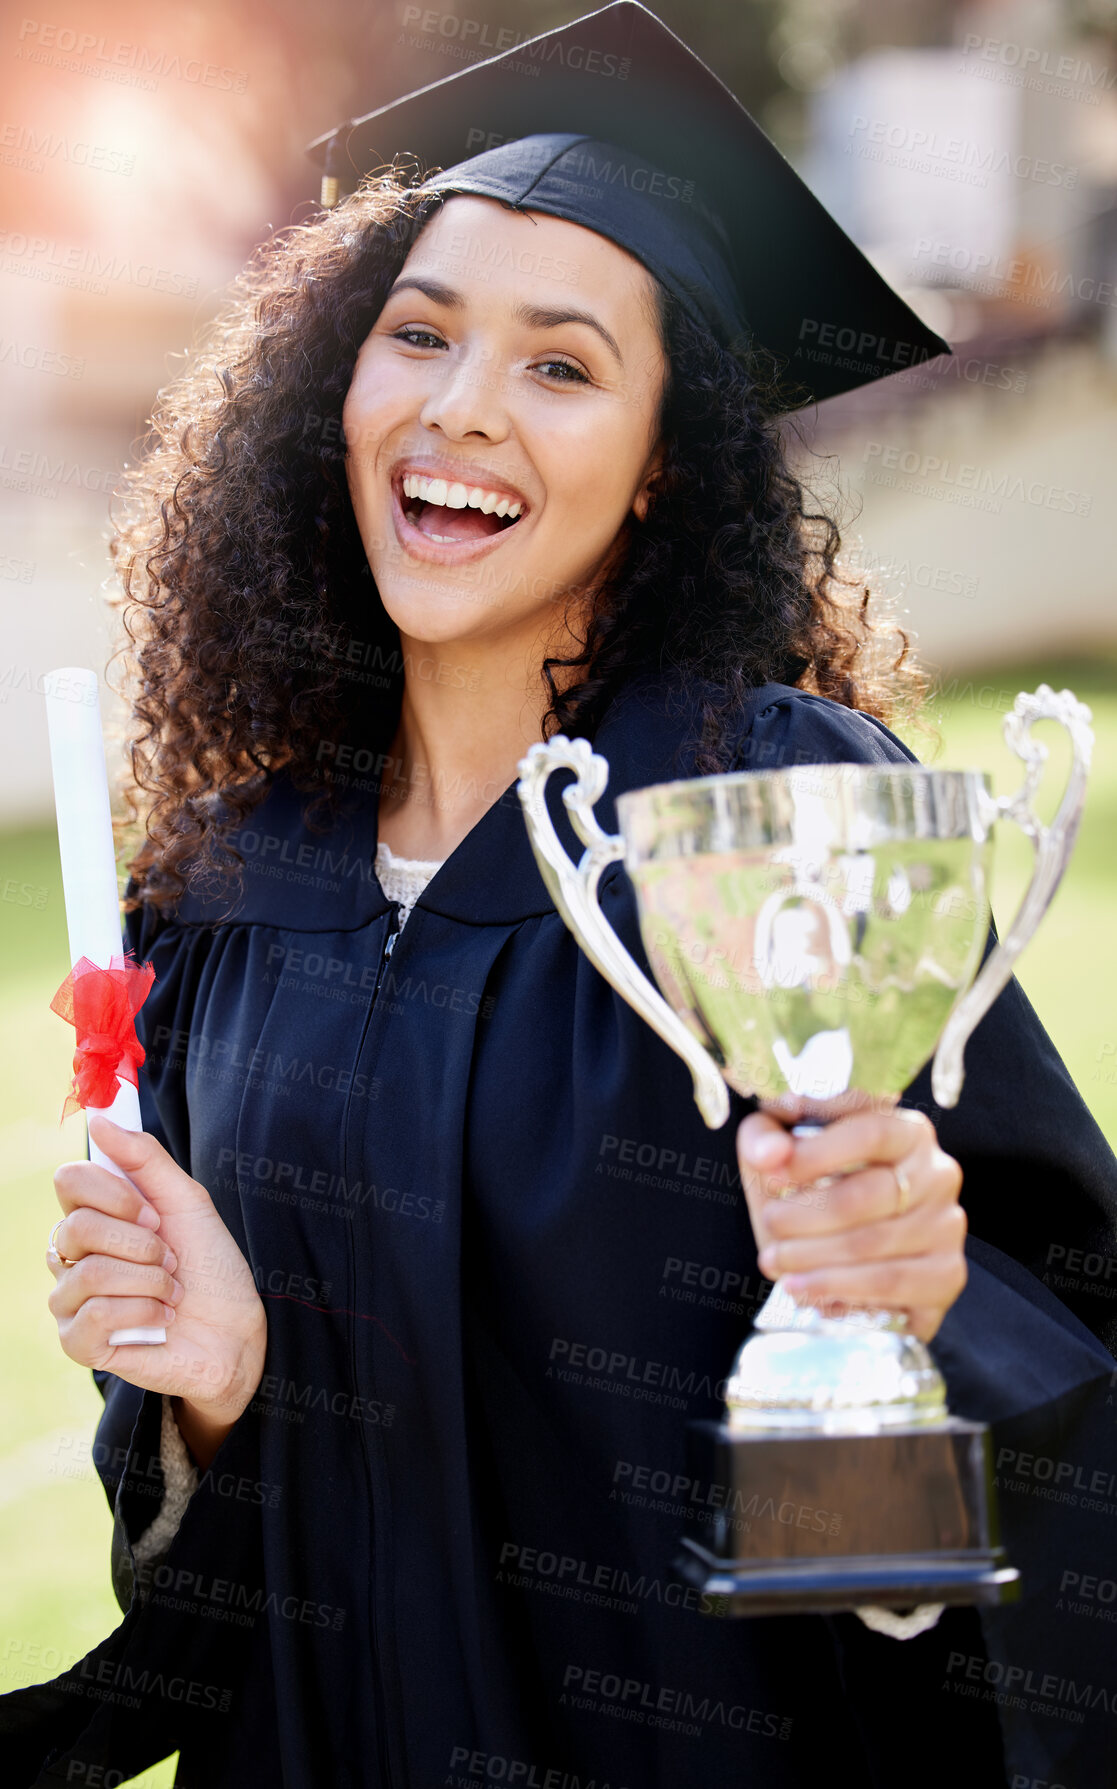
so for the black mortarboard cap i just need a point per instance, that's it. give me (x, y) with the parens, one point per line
(614, 123)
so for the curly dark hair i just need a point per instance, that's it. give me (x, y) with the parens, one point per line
(248, 598)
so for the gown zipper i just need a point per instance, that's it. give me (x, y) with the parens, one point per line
(389, 946)
(380, 1687)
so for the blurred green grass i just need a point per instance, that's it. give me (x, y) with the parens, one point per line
(56, 1599)
(1069, 972)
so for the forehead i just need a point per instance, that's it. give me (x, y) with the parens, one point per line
(481, 245)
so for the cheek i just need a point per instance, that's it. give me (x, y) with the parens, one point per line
(358, 414)
(369, 401)
(365, 425)
(591, 479)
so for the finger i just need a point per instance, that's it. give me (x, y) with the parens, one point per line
(862, 1139)
(924, 1230)
(143, 1158)
(907, 1283)
(87, 1183)
(764, 1146)
(85, 1336)
(794, 1108)
(925, 1322)
(870, 1196)
(101, 1276)
(763, 1143)
(89, 1231)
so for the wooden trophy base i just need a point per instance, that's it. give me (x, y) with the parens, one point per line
(806, 1522)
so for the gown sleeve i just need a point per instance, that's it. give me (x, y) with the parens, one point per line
(1026, 1348)
(163, 1678)
(137, 1444)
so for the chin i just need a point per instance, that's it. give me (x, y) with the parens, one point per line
(427, 610)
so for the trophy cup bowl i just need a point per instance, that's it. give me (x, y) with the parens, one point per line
(817, 932)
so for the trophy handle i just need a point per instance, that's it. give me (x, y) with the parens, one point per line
(1053, 846)
(573, 888)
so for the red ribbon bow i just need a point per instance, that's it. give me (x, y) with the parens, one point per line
(101, 1005)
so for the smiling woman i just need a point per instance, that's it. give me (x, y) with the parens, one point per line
(489, 422)
(450, 1254)
(659, 524)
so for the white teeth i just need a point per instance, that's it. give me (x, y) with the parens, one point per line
(459, 496)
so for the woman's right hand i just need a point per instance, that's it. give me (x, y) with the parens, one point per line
(158, 1256)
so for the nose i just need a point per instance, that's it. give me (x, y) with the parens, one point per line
(467, 397)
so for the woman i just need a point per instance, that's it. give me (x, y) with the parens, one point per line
(385, 1499)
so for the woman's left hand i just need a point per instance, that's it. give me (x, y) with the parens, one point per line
(878, 1238)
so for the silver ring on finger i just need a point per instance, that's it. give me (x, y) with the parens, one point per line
(903, 1189)
(52, 1247)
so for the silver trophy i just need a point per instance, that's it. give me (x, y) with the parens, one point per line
(817, 932)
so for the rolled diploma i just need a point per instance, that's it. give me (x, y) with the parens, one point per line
(85, 845)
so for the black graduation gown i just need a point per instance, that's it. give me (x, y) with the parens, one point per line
(504, 1262)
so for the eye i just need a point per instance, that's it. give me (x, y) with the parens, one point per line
(407, 335)
(579, 378)
(572, 374)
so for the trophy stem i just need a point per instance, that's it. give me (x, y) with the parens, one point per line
(854, 1374)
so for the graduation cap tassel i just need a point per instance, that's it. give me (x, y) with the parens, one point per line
(331, 185)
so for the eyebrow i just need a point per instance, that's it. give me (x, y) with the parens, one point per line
(531, 315)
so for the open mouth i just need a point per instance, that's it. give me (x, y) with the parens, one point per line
(461, 524)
